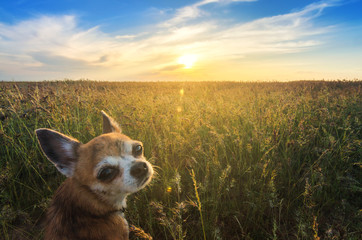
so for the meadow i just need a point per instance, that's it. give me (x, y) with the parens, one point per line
(233, 160)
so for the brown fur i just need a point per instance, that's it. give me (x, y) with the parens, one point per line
(87, 205)
(77, 213)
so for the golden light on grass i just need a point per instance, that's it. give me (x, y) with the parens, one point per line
(179, 109)
(210, 125)
(181, 92)
(188, 60)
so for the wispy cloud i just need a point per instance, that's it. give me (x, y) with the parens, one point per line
(58, 44)
(193, 11)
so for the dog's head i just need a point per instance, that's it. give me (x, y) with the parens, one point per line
(111, 165)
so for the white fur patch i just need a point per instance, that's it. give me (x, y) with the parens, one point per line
(127, 145)
(108, 161)
(68, 148)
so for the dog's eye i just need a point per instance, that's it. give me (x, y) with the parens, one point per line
(107, 174)
(137, 150)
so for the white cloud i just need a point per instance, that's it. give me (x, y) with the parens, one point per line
(125, 36)
(193, 11)
(57, 44)
(290, 32)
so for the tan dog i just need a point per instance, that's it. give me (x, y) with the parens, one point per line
(101, 173)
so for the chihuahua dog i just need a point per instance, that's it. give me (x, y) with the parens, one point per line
(100, 175)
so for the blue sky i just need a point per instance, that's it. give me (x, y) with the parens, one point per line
(237, 40)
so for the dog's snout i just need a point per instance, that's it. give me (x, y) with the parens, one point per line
(139, 169)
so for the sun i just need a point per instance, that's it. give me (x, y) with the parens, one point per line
(187, 60)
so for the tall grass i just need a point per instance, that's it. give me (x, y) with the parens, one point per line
(269, 160)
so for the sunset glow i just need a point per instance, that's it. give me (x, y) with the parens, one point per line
(187, 60)
(205, 40)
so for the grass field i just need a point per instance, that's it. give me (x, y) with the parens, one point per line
(233, 160)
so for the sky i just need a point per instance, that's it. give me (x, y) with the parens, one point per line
(163, 40)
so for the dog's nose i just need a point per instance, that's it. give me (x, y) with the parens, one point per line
(139, 169)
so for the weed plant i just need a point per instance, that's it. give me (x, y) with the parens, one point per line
(233, 160)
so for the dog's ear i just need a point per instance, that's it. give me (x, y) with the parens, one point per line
(61, 150)
(109, 125)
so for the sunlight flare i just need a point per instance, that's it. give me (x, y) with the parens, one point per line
(188, 60)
